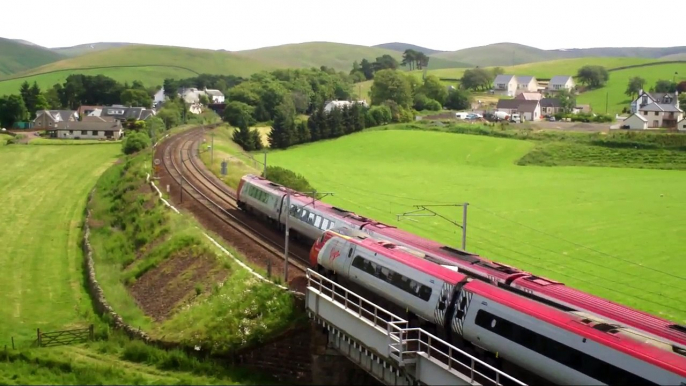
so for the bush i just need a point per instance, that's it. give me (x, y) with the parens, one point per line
(288, 178)
(378, 116)
(135, 142)
(433, 105)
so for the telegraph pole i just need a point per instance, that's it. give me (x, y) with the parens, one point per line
(288, 214)
(265, 164)
(425, 208)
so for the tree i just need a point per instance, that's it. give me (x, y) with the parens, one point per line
(681, 87)
(204, 100)
(477, 79)
(567, 100)
(12, 110)
(434, 89)
(171, 88)
(385, 62)
(135, 98)
(665, 86)
(282, 134)
(409, 58)
(635, 85)
(239, 114)
(170, 116)
(367, 69)
(52, 97)
(391, 85)
(135, 142)
(458, 99)
(593, 76)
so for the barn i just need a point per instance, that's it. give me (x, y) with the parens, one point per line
(635, 121)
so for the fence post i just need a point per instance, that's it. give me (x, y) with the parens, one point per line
(91, 333)
(38, 336)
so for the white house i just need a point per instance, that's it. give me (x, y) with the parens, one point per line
(530, 96)
(635, 121)
(159, 97)
(215, 96)
(88, 130)
(681, 126)
(560, 82)
(505, 85)
(526, 84)
(661, 115)
(340, 104)
(529, 110)
(50, 118)
(645, 98)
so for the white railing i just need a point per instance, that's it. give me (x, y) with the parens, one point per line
(400, 336)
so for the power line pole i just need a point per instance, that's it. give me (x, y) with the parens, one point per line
(425, 208)
(265, 164)
(607, 97)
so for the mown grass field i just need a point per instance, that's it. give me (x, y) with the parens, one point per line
(44, 191)
(548, 69)
(615, 87)
(615, 232)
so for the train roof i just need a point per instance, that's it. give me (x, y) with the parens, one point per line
(622, 339)
(391, 251)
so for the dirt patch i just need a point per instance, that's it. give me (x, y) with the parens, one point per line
(161, 289)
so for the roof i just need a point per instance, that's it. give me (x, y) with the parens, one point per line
(93, 118)
(525, 79)
(661, 97)
(528, 108)
(214, 92)
(81, 125)
(147, 113)
(661, 107)
(559, 79)
(529, 96)
(550, 102)
(58, 115)
(503, 79)
(517, 104)
(641, 117)
(620, 341)
(82, 109)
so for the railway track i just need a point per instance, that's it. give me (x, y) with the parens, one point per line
(203, 194)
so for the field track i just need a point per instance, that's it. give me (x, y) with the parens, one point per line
(194, 188)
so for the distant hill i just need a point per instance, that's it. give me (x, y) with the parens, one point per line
(83, 49)
(18, 56)
(402, 47)
(335, 55)
(508, 54)
(26, 42)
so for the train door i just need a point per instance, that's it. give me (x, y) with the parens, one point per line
(444, 299)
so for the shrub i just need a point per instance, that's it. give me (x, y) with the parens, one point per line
(288, 178)
(135, 142)
(378, 116)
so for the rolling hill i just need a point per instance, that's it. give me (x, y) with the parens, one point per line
(401, 47)
(149, 64)
(18, 56)
(335, 55)
(83, 49)
(510, 54)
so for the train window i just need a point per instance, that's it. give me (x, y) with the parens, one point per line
(559, 352)
(303, 214)
(310, 218)
(325, 224)
(318, 221)
(388, 275)
(294, 210)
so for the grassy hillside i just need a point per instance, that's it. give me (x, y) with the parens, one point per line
(636, 52)
(614, 90)
(150, 76)
(401, 47)
(336, 55)
(681, 56)
(17, 57)
(577, 221)
(83, 49)
(548, 69)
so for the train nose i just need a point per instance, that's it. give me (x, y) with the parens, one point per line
(314, 252)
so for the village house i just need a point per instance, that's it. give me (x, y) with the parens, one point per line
(192, 95)
(215, 96)
(645, 98)
(551, 106)
(505, 85)
(50, 118)
(86, 110)
(681, 126)
(529, 110)
(635, 122)
(159, 97)
(581, 109)
(122, 113)
(87, 130)
(527, 84)
(341, 104)
(560, 82)
(662, 115)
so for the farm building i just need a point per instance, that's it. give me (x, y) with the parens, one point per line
(635, 121)
(340, 104)
(550, 106)
(681, 126)
(87, 130)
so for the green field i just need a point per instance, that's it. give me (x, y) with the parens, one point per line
(614, 90)
(548, 69)
(17, 57)
(603, 230)
(150, 76)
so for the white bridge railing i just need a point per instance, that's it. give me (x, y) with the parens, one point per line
(403, 345)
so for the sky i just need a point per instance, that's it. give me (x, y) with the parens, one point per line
(239, 25)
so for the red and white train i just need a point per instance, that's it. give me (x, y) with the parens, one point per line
(310, 218)
(564, 347)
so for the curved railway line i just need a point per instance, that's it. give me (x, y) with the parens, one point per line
(194, 188)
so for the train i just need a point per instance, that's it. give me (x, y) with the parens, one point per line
(564, 347)
(310, 218)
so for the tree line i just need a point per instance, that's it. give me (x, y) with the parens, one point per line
(365, 70)
(637, 84)
(414, 59)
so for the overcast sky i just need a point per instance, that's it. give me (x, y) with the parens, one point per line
(439, 24)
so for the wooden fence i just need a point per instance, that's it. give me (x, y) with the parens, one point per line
(58, 338)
